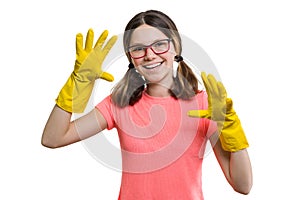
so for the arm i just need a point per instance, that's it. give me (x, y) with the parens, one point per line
(229, 141)
(74, 95)
(59, 131)
(236, 166)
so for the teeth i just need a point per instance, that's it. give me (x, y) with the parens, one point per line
(152, 66)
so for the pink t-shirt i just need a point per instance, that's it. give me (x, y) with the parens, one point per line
(162, 148)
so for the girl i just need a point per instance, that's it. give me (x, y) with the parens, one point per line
(163, 120)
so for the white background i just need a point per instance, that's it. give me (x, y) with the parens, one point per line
(255, 46)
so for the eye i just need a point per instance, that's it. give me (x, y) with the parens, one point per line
(160, 43)
(136, 48)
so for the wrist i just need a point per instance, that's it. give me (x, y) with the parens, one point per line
(232, 135)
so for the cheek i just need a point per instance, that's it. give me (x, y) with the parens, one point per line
(171, 53)
(170, 59)
(136, 62)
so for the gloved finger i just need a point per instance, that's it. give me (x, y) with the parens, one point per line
(206, 83)
(109, 45)
(213, 84)
(199, 114)
(89, 40)
(101, 39)
(107, 76)
(222, 90)
(79, 43)
(229, 105)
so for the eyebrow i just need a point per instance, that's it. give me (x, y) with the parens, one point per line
(140, 44)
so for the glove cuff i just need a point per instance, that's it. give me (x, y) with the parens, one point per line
(232, 135)
(74, 95)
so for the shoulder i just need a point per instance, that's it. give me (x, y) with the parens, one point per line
(201, 97)
(107, 101)
(201, 94)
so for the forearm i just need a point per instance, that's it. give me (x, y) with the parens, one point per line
(240, 171)
(56, 127)
(236, 166)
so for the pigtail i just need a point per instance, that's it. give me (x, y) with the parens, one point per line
(129, 90)
(185, 84)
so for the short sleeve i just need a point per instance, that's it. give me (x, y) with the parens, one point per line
(105, 108)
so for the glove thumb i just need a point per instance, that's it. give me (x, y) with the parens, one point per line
(199, 113)
(107, 76)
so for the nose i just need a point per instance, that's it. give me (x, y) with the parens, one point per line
(149, 54)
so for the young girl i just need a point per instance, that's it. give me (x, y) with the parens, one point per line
(163, 120)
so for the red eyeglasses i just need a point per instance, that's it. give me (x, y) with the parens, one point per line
(158, 47)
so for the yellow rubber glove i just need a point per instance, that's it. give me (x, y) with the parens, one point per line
(76, 92)
(220, 109)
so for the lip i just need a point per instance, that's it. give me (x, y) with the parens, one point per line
(152, 65)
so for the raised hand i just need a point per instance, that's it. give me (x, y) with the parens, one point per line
(220, 109)
(76, 92)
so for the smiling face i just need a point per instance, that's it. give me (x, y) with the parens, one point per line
(156, 68)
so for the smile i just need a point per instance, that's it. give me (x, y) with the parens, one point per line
(152, 66)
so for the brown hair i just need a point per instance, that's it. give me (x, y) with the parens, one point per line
(129, 90)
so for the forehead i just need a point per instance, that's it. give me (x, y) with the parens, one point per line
(146, 34)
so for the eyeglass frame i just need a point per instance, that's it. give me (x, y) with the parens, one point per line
(146, 47)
